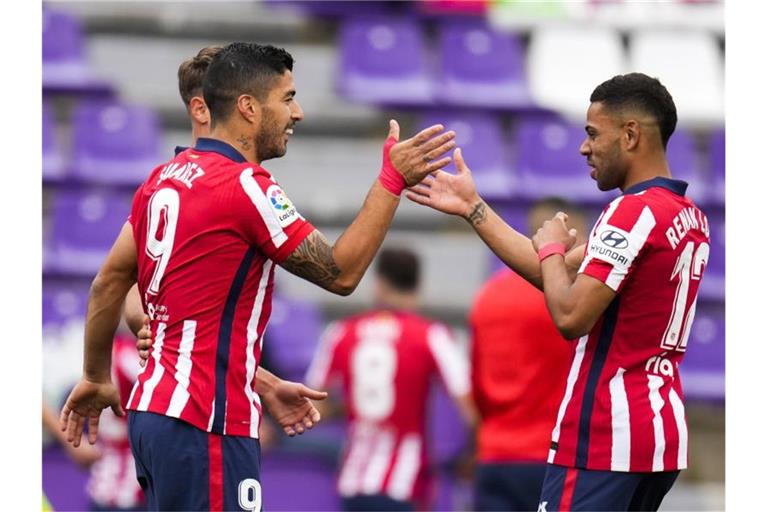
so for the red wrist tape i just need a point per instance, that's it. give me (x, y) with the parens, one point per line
(550, 249)
(389, 177)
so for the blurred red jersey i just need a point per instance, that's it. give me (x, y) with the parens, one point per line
(209, 227)
(112, 482)
(519, 365)
(623, 404)
(386, 361)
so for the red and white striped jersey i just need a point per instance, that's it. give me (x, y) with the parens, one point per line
(623, 404)
(209, 227)
(112, 482)
(386, 361)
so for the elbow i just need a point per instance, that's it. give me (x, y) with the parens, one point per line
(571, 328)
(342, 288)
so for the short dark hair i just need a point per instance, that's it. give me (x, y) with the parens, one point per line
(242, 68)
(639, 91)
(192, 72)
(399, 267)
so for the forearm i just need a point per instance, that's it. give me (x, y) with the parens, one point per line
(104, 308)
(134, 311)
(265, 381)
(355, 248)
(514, 248)
(560, 298)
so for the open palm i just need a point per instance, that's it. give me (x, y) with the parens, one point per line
(454, 194)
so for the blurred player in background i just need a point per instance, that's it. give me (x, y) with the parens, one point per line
(205, 232)
(385, 360)
(628, 296)
(519, 362)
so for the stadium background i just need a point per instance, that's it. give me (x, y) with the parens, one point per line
(512, 79)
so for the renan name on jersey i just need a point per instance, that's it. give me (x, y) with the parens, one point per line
(686, 220)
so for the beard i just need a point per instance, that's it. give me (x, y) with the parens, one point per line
(269, 142)
(613, 170)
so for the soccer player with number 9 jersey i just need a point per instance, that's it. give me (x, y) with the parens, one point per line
(628, 298)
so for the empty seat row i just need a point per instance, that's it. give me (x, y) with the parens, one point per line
(387, 60)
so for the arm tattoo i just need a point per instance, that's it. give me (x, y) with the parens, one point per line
(313, 260)
(478, 214)
(243, 140)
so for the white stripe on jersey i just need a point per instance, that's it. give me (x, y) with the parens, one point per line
(600, 222)
(451, 363)
(620, 430)
(360, 440)
(252, 336)
(183, 370)
(378, 463)
(406, 468)
(261, 202)
(317, 374)
(578, 357)
(657, 403)
(637, 238)
(682, 428)
(213, 413)
(157, 372)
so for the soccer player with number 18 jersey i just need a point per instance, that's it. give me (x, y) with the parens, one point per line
(628, 297)
(205, 233)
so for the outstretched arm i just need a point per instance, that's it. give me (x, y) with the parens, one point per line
(456, 194)
(340, 267)
(95, 391)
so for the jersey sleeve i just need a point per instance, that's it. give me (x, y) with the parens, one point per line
(270, 220)
(618, 240)
(325, 361)
(451, 362)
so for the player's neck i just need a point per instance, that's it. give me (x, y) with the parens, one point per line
(654, 166)
(399, 302)
(235, 137)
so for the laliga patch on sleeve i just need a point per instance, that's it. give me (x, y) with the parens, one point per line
(283, 207)
(612, 244)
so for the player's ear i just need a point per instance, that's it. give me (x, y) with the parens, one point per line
(199, 110)
(631, 134)
(249, 107)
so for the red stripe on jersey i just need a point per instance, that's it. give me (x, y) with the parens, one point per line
(215, 472)
(568, 487)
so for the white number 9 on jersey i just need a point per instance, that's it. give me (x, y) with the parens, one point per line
(163, 205)
(249, 495)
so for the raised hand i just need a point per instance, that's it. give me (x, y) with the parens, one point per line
(454, 194)
(555, 230)
(85, 403)
(415, 158)
(290, 405)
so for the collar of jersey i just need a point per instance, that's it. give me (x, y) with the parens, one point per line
(675, 186)
(220, 147)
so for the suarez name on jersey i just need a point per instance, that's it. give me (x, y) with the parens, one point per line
(209, 227)
(623, 405)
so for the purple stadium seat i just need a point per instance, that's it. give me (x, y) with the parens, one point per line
(114, 143)
(335, 8)
(480, 67)
(703, 368)
(281, 472)
(53, 162)
(548, 161)
(63, 481)
(717, 166)
(479, 136)
(445, 430)
(713, 283)
(85, 225)
(65, 66)
(383, 60)
(64, 300)
(292, 335)
(684, 164)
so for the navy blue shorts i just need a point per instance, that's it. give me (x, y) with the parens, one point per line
(585, 489)
(508, 485)
(181, 467)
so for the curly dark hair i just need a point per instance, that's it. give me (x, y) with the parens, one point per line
(242, 68)
(643, 93)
